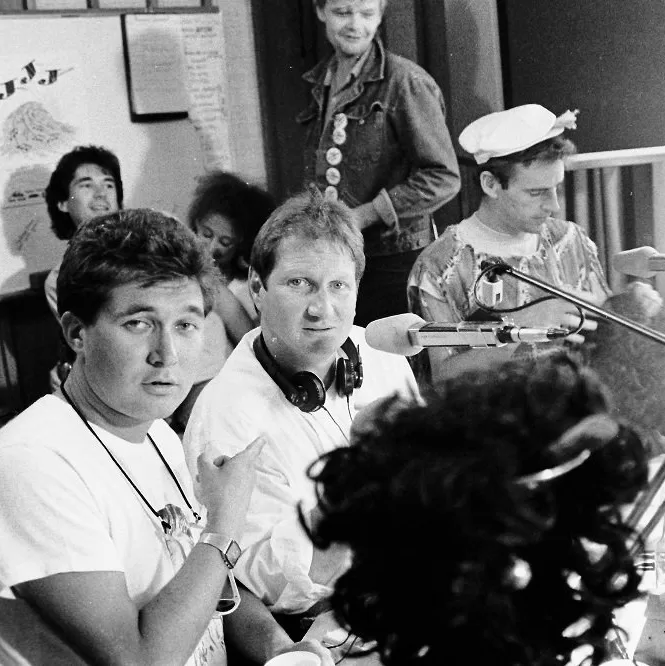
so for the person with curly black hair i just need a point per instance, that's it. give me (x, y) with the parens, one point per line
(631, 365)
(226, 213)
(485, 524)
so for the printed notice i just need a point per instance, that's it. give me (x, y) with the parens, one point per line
(156, 64)
(207, 87)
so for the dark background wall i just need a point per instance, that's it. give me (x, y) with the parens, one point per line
(29, 344)
(604, 57)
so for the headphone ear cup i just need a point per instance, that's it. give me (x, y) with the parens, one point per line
(354, 367)
(345, 378)
(311, 389)
(358, 373)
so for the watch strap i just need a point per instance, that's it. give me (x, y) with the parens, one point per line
(227, 547)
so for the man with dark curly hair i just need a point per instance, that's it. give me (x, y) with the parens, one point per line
(485, 525)
(85, 183)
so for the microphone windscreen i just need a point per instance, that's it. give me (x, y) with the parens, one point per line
(391, 334)
(634, 262)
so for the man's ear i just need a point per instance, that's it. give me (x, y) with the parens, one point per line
(73, 331)
(63, 206)
(256, 288)
(319, 11)
(489, 184)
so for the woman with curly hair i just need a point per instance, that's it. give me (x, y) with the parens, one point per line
(226, 212)
(485, 524)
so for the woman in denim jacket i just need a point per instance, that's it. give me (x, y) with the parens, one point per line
(376, 137)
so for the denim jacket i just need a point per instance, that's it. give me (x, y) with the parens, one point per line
(397, 152)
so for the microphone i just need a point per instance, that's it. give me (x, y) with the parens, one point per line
(642, 262)
(490, 285)
(407, 334)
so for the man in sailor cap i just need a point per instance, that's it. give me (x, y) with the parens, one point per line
(520, 154)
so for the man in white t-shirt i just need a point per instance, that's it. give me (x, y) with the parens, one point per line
(102, 533)
(297, 381)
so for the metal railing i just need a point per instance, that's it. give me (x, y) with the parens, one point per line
(599, 201)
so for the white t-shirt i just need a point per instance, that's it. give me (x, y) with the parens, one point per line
(243, 403)
(240, 289)
(65, 506)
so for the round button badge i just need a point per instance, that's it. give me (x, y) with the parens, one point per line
(340, 121)
(333, 176)
(333, 156)
(339, 136)
(330, 193)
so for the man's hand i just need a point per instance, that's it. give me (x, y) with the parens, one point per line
(226, 485)
(365, 215)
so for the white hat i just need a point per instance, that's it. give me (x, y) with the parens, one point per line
(507, 132)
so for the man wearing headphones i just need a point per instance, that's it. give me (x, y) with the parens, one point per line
(298, 381)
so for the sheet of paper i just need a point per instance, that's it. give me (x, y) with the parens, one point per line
(207, 87)
(156, 63)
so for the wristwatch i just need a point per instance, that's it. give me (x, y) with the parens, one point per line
(228, 548)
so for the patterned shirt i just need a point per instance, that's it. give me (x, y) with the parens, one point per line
(441, 283)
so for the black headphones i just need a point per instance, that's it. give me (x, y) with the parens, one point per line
(304, 389)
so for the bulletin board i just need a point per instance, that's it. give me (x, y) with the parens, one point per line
(63, 83)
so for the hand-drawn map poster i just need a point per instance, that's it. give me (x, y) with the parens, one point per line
(43, 115)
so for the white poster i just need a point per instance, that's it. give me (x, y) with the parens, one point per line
(42, 116)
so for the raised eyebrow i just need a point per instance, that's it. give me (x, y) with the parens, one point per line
(195, 310)
(150, 310)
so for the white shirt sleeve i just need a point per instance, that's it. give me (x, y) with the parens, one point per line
(277, 553)
(210, 430)
(48, 518)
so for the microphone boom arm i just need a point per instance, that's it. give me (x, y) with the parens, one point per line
(501, 268)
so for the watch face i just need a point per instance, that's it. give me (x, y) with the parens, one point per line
(233, 552)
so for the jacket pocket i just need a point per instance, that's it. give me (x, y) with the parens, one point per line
(367, 133)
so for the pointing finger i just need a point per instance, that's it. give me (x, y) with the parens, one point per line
(255, 448)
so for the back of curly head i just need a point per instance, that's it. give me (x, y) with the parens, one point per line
(428, 503)
(632, 366)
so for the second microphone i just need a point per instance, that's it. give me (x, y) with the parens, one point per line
(407, 334)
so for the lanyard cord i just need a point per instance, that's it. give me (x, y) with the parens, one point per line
(167, 527)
